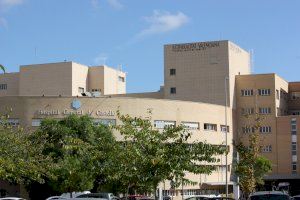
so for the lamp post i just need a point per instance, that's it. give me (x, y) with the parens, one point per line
(226, 142)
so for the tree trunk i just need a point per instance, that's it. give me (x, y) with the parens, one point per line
(71, 195)
(154, 190)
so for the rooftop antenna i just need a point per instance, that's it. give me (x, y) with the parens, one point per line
(35, 53)
(251, 64)
(120, 67)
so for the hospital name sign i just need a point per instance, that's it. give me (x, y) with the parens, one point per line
(76, 112)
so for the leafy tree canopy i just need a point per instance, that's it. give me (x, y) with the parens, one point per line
(147, 156)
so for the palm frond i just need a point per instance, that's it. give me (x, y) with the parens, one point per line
(2, 68)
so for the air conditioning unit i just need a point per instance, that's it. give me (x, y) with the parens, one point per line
(96, 94)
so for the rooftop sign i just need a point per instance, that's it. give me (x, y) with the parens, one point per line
(195, 46)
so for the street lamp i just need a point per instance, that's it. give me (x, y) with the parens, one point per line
(226, 142)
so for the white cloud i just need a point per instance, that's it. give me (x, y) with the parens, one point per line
(3, 22)
(163, 21)
(7, 4)
(115, 4)
(101, 59)
(95, 3)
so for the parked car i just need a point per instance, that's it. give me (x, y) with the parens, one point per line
(102, 195)
(57, 198)
(297, 197)
(132, 197)
(11, 198)
(146, 198)
(269, 195)
(202, 197)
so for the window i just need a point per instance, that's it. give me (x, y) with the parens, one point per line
(81, 90)
(295, 112)
(36, 122)
(3, 86)
(163, 123)
(267, 149)
(172, 72)
(210, 127)
(173, 90)
(294, 127)
(10, 122)
(277, 94)
(294, 167)
(221, 168)
(247, 111)
(248, 129)
(265, 129)
(224, 128)
(264, 110)
(294, 146)
(190, 125)
(106, 122)
(247, 92)
(122, 79)
(264, 92)
(295, 95)
(189, 192)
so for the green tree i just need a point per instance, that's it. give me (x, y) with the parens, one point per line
(21, 160)
(251, 166)
(148, 156)
(79, 150)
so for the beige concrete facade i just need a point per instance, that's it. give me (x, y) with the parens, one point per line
(201, 69)
(195, 79)
(29, 111)
(270, 99)
(63, 79)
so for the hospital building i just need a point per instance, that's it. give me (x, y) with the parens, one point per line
(208, 87)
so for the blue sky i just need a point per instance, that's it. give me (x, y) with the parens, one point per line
(132, 33)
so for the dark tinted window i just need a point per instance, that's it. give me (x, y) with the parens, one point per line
(270, 197)
(172, 72)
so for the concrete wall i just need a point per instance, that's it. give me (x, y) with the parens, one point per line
(201, 69)
(96, 78)
(294, 104)
(28, 108)
(112, 83)
(255, 82)
(12, 82)
(51, 79)
(239, 64)
(79, 78)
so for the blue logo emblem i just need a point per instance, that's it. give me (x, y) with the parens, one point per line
(76, 104)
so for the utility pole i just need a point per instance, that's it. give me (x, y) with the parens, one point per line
(226, 142)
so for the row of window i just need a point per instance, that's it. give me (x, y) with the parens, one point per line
(11, 122)
(250, 111)
(266, 149)
(3, 86)
(261, 92)
(189, 125)
(262, 129)
(295, 95)
(160, 124)
(294, 145)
